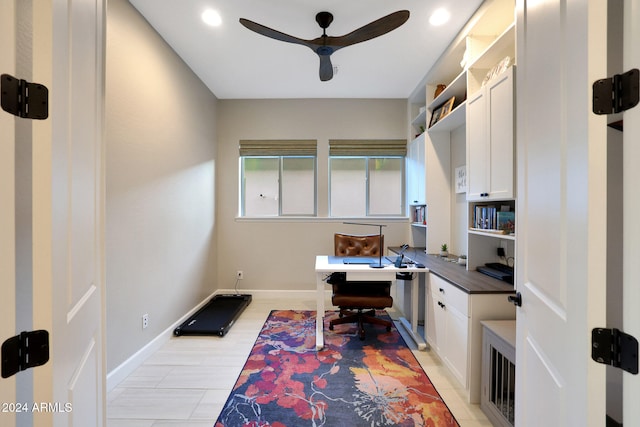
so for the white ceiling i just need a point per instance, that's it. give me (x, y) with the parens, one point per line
(236, 63)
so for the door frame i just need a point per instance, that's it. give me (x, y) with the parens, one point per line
(7, 200)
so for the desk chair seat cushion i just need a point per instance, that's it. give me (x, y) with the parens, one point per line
(358, 302)
(356, 295)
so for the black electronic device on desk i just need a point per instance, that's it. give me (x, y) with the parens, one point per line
(499, 271)
(398, 261)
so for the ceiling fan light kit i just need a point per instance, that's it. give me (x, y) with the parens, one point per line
(326, 45)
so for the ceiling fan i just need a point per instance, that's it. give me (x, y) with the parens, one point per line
(325, 45)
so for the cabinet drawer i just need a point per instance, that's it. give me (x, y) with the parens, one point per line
(449, 294)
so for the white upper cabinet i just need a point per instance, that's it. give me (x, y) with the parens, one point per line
(490, 140)
(416, 172)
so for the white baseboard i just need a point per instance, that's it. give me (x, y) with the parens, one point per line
(117, 375)
(125, 369)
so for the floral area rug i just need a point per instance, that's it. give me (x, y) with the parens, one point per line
(350, 383)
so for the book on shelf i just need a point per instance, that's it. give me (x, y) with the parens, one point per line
(419, 215)
(489, 218)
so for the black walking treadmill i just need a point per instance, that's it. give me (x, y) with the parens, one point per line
(216, 317)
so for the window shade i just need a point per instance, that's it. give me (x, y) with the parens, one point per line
(367, 147)
(286, 147)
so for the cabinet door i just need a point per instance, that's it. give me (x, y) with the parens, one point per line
(436, 323)
(430, 322)
(456, 348)
(415, 171)
(477, 158)
(500, 136)
(490, 140)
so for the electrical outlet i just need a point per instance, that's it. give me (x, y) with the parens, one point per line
(501, 252)
(239, 275)
(145, 321)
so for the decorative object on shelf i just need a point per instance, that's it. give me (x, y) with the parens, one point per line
(447, 107)
(462, 260)
(435, 116)
(439, 89)
(461, 179)
(498, 69)
(444, 250)
(507, 222)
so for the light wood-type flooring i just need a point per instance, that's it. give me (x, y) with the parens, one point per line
(187, 381)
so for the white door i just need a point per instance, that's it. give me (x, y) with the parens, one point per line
(561, 250)
(67, 46)
(631, 242)
(7, 206)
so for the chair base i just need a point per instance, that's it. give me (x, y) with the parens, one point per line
(360, 317)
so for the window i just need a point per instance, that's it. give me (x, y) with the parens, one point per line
(366, 178)
(278, 178)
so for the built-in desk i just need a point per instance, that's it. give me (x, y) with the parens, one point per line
(456, 301)
(471, 282)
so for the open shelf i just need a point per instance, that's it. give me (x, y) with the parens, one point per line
(492, 233)
(420, 120)
(457, 88)
(500, 48)
(451, 121)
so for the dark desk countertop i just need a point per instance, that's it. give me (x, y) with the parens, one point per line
(472, 282)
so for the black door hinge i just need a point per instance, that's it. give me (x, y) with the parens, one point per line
(614, 347)
(24, 351)
(24, 99)
(616, 94)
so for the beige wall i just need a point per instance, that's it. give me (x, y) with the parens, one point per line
(172, 233)
(279, 254)
(161, 154)
(459, 206)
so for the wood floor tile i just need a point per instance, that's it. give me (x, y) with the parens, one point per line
(187, 381)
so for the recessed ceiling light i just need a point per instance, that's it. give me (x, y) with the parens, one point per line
(439, 17)
(211, 17)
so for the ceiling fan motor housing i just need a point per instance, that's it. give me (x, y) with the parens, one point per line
(324, 19)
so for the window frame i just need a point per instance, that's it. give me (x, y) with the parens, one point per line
(280, 193)
(368, 158)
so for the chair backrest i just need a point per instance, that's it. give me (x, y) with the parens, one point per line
(358, 245)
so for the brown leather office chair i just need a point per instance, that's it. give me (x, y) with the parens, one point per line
(352, 297)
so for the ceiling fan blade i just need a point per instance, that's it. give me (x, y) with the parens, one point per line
(372, 30)
(271, 33)
(326, 68)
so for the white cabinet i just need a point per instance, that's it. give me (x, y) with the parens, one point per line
(490, 140)
(454, 331)
(416, 171)
(448, 328)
